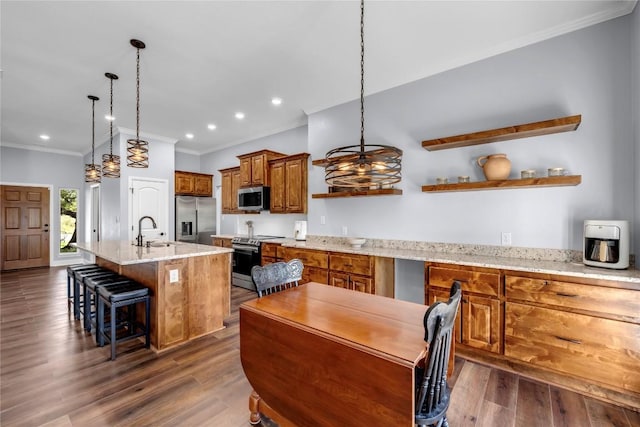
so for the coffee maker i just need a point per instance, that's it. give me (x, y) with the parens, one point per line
(606, 244)
(300, 230)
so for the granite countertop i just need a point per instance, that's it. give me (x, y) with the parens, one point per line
(575, 269)
(122, 252)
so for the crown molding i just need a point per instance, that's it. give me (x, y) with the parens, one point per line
(131, 132)
(40, 148)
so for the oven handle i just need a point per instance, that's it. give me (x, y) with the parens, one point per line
(245, 248)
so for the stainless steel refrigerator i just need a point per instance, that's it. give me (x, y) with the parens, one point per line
(195, 219)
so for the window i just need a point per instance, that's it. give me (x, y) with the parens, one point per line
(68, 220)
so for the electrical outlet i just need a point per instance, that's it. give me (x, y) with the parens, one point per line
(506, 238)
(344, 230)
(173, 276)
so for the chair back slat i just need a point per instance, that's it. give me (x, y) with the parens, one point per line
(276, 277)
(432, 394)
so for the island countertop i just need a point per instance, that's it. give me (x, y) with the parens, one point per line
(122, 252)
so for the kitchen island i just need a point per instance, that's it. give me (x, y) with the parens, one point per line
(189, 285)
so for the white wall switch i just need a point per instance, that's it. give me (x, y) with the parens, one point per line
(173, 276)
(344, 230)
(323, 220)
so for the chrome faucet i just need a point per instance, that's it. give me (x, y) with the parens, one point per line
(139, 238)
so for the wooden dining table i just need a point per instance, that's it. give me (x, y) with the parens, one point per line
(317, 355)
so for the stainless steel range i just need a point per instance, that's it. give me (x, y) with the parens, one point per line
(246, 254)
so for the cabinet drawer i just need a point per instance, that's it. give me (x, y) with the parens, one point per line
(315, 274)
(269, 249)
(267, 260)
(351, 263)
(617, 302)
(309, 257)
(480, 282)
(602, 350)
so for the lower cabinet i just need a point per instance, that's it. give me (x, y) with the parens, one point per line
(222, 242)
(362, 273)
(480, 316)
(587, 331)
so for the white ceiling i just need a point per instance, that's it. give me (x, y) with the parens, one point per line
(205, 60)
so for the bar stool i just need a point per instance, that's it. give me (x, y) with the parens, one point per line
(71, 269)
(126, 294)
(77, 282)
(90, 302)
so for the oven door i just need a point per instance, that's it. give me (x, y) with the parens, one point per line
(244, 258)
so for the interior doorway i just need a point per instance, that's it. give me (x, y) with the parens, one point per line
(24, 233)
(149, 197)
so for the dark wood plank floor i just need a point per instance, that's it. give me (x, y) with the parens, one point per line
(52, 374)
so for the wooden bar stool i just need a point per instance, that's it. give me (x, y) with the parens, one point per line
(71, 269)
(126, 294)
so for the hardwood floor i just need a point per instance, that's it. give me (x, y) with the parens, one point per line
(52, 374)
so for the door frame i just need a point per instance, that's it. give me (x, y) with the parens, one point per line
(51, 222)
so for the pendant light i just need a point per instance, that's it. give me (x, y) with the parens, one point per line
(92, 170)
(363, 166)
(111, 162)
(137, 149)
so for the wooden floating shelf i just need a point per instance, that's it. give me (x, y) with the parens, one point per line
(562, 124)
(551, 181)
(362, 193)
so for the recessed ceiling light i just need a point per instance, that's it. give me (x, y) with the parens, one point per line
(110, 118)
(211, 126)
(276, 101)
(189, 135)
(45, 137)
(239, 115)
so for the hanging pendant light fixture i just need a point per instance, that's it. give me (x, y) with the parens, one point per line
(363, 166)
(137, 149)
(111, 162)
(92, 170)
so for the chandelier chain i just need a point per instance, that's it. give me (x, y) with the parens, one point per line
(362, 75)
(111, 118)
(93, 130)
(138, 93)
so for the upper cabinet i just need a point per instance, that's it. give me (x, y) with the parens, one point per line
(193, 184)
(229, 192)
(254, 168)
(288, 176)
(562, 124)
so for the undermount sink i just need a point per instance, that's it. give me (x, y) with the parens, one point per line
(160, 244)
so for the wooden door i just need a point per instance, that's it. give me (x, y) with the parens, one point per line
(361, 284)
(203, 185)
(339, 280)
(258, 170)
(184, 183)
(235, 185)
(25, 227)
(277, 171)
(481, 322)
(296, 183)
(245, 172)
(227, 194)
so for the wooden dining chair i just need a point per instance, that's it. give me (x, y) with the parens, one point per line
(276, 277)
(433, 392)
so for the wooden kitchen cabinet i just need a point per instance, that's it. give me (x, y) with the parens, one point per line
(358, 272)
(289, 184)
(230, 183)
(254, 168)
(270, 253)
(480, 315)
(222, 242)
(193, 184)
(586, 330)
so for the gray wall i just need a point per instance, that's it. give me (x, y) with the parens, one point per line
(289, 142)
(40, 168)
(187, 162)
(586, 72)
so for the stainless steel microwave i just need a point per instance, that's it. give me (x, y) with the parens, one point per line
(253, 199)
